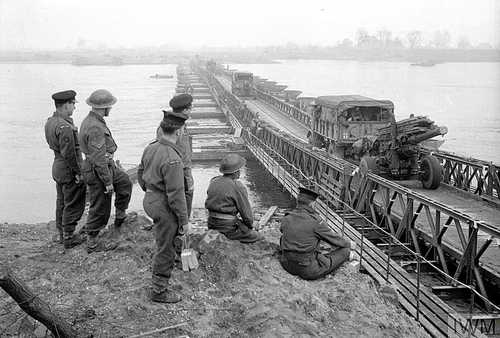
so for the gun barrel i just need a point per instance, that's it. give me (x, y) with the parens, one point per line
(427, 135)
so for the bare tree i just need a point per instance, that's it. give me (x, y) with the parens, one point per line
(384, 37)
(414, 39)
(362, 37)
(441, 39)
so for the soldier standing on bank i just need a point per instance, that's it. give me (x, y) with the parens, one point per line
(62, 137)
(302, 231)
(226, 198)
(101, 174)
(161, 175)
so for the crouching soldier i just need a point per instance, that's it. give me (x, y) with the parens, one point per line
(226, 198)
(161, 175)
(302, 231)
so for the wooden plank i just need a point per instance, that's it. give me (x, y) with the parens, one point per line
(267, 216)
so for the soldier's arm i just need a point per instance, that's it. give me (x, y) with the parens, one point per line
(243, 204)
(188, 179)
(97, 154)
(173, 176)
(67, 147)
(324, 232)
(140, 171)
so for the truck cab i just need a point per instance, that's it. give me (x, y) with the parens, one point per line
(242, 84)
(340, 120)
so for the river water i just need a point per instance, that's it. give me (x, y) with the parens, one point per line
(463, 97)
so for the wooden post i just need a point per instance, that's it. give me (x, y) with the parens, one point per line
(33, 305)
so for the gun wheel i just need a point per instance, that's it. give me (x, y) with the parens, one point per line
(431, 172)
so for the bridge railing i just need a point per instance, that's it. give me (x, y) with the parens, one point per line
(433, 230)
(475, 176)
(435, 315)
(472, 175)
(286, 108)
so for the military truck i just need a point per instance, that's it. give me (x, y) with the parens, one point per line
(242, 84)
(364, 131)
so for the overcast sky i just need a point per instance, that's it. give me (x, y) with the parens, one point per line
(56, 24)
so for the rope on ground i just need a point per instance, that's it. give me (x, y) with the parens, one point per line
(159, 330)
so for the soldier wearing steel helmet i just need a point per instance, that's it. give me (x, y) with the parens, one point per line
(227, 198)
(61, 135)
(302, 231)
(100, 172)
(161, 176)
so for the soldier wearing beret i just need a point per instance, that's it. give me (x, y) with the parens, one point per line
(100, 172)
(302, 230)
(227, 198)
(182, 104)
(161, 176)
(62, 137)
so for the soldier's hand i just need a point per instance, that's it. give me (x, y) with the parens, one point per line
(187, 228)
(353, 245)
(109, 189)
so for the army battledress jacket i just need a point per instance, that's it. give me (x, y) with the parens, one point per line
(98, 145)
(62, 137)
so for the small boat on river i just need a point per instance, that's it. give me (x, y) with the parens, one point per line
(161, 76)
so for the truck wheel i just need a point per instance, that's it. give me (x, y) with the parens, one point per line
(368, 164)
(431, 172)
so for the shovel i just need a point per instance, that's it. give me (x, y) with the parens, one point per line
(188, 255)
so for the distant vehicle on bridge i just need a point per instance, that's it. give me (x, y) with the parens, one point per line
(242, 84)
(364, 130)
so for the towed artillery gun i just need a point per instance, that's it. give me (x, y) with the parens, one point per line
(395, 151)
(363, 130)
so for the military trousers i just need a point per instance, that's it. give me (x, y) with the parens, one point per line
(100, 203)
(234, 229)
(166, 226)
(70, 204)
(313, 265)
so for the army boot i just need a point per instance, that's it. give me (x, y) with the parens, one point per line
(58, 238)
(167, 296)
(94, 245)
(120, 218)
(71, 240)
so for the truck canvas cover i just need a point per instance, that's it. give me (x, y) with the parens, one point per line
(344, 102)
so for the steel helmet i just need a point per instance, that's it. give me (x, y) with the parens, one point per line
(231, 163)
(101, 98)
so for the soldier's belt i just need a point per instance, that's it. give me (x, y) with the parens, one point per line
(220, 215)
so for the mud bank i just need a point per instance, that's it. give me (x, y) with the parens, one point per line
(238, 291)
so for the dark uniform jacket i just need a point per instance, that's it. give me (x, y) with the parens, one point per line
(98, 146)
(229, 196)
(62, 137)
(161, 170)
(303, 230)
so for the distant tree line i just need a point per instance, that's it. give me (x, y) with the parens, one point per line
(384, 38)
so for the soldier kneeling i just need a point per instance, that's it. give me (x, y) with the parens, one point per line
(302, 231)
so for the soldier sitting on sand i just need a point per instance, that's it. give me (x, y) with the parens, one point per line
(302, 231)
(226, 198)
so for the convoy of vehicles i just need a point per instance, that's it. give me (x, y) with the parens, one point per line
(364, 131)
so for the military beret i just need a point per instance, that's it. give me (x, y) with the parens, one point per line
(181, 101)
(174, 118)
(64, 96)
(306, 195)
